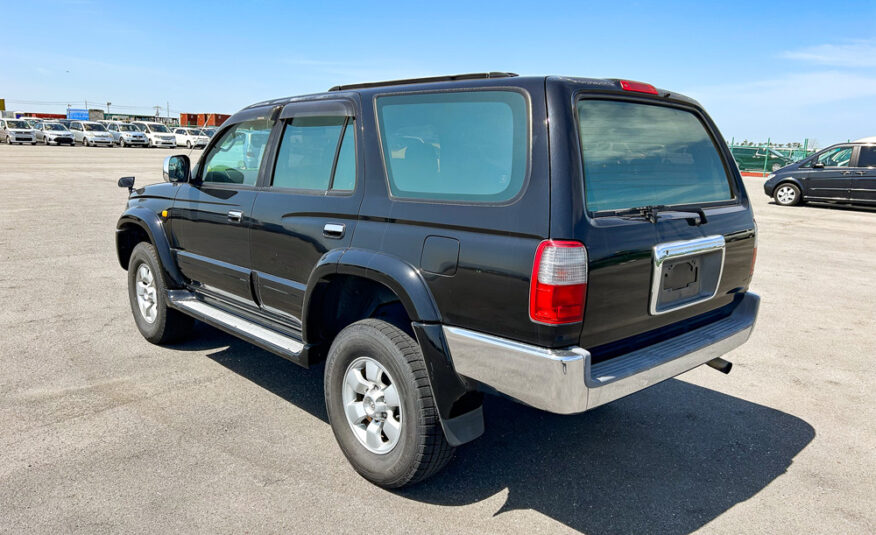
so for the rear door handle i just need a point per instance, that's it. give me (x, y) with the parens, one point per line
(333, 230)
(235, 216)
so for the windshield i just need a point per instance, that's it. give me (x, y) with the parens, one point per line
(128, 128)
(645, 155)
(94, 127)
(159, 128)
(55, 126)
(17, 124)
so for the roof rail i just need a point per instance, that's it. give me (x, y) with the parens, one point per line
(448, 78)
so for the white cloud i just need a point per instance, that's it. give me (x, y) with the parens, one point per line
(856, 54)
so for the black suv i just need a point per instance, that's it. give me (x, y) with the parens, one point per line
(560, 241)
(843, 173)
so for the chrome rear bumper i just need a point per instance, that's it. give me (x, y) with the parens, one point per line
(565, 381)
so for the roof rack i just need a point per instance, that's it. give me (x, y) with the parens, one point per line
(449, 78)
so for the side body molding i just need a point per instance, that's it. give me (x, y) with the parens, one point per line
(154, 227)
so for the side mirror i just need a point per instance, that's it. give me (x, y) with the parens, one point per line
(127, 182)
(818, 165)
(176, 168)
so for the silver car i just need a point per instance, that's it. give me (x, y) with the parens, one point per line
(54, 134)
(16, 131)
(127, 135)
(91, 133)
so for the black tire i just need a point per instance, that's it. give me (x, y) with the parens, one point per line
(421, 450)
(787, 194)
(169, 325)
(188, 145)
(121, 143)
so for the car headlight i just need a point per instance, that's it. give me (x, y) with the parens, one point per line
(771, 175)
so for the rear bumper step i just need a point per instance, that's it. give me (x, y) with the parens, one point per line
(271, 340)
(565, 381)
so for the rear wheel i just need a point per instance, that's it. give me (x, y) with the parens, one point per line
(787, 194)
(147, 292)
(380, 405)
(188, 144)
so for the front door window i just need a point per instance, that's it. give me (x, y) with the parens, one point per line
(236, 158)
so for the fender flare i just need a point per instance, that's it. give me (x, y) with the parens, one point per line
(458, 404)
(399, 276)
(154, 228)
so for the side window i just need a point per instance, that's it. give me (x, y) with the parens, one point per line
(308, 151)
(867, 157)
(838, 157)
(345, 169)
(236, 157)
(470, 146)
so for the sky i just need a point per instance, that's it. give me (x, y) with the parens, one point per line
(779, 70)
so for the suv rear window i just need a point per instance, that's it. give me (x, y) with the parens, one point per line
(645, 155)
(469, 146)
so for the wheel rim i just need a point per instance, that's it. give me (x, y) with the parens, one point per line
(147, 296)
(786, 194)
(372, 405)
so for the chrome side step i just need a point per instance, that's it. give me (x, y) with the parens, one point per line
(269, 339)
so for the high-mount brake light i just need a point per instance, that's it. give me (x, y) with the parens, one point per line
(638, 87)
(558, 288)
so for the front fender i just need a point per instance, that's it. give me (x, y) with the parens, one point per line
(792, 179)
(153, 225)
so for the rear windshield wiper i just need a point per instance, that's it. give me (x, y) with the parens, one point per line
(650, 213)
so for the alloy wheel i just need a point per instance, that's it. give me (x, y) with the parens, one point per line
(786, 195)
(147, 295)
(372, 405)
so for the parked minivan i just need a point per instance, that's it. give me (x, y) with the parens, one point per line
(159, 135)
(842, 173)
(16, 131)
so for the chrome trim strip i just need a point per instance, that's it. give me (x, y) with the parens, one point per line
(680, 249)
(201, 309)
(564, 381)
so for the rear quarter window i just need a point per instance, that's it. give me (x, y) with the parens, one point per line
(467, 146)
(637, 154)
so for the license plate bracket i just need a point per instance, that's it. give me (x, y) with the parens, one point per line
(686, 273)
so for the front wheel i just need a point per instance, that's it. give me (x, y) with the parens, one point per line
(380, 405)
(188, 144)
(787, 194)
(147, 292)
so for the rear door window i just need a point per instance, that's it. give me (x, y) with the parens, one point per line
(639, 155)
(466, 146)
(317, 154)
(867, 157)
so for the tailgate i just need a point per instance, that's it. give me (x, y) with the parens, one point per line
(668, 227)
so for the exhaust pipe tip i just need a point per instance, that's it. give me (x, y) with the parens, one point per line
(723, 366)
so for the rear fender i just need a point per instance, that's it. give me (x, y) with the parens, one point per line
(459, 406)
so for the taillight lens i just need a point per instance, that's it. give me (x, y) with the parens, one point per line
(638, 87)
(558, 288)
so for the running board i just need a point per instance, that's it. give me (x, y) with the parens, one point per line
(269, 339)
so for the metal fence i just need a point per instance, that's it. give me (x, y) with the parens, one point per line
(767, 157)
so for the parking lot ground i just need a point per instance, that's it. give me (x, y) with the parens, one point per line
(101, 431)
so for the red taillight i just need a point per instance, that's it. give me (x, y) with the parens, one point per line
(638, 87)
(558, 288)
